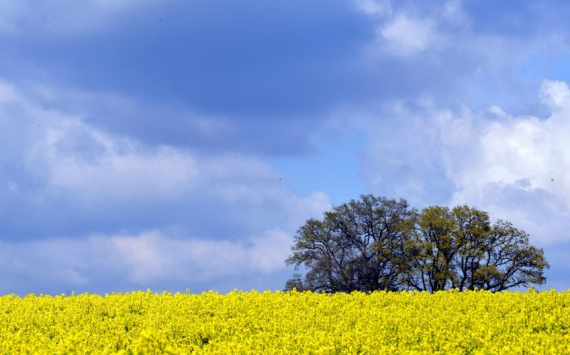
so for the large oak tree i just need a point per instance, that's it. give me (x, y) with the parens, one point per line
(381, 244)
(357, 246)
(460, 249)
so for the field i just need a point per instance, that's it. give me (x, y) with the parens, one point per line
(448, 322)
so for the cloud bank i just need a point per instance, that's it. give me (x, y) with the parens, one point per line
(514, 167)
(65, 172)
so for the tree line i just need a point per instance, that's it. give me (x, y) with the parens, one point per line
(377, 243)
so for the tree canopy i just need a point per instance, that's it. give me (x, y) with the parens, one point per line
(377, 243)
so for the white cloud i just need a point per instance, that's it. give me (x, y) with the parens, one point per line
(64, 16)
(453, 13)
(374, 7)
(404, 160)
(234, 179)
(526, 147)
(153, 256)
(8, 94)
(85, 163)
(407, 36)
(71, 160)
(408, 29)
(149, 257)
(555, 94)
(516, 168)
(89, 164)
(269, 251)
(54, 260)
(522, 170)
(300, 209)
(10, 13)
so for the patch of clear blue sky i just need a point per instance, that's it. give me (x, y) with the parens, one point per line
(333, 169)
(531, 67)
(562, 67)
(540, 68)
(519, 96)
(536, 68)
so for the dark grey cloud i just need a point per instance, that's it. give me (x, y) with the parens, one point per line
(62, 177)
(217, 57)
(263, 70)
(269, 74)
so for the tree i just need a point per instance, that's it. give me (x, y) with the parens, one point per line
(509, 261)
(357, 246)
(460, 249)
(431, 249)
(381, 244)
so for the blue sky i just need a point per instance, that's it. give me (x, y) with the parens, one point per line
(180, 144)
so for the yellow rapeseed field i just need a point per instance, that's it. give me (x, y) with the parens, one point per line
(451, 322)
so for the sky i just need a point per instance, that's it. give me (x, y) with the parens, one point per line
(173, 145)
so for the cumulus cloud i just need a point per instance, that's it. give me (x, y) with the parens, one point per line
(61, 159)
(230, 179)
(514, 167)
(142, 260)
(153, 256)
(407, 36)
(88, 164)
(406, 30)
(522, 167)
(302, 208)
(555, 94)
(404, 150)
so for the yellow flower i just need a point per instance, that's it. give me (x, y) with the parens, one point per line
(472, 322)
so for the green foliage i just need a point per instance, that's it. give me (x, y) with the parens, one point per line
(382, 244)
(357, 246)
